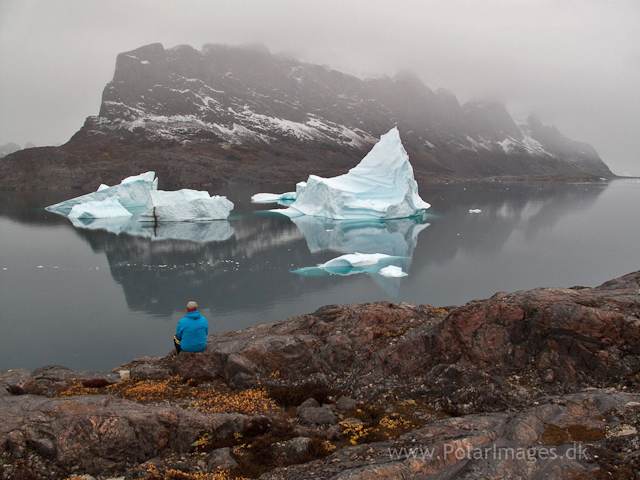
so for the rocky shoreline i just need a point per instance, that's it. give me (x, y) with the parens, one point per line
(543, 383)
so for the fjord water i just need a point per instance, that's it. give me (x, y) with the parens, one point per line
(90, 298)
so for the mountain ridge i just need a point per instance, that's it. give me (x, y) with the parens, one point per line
(228, 114)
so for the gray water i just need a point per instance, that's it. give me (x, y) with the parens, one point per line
(91, 299)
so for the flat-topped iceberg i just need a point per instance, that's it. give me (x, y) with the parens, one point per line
(187, 207)
(108, 208)
(162, 198)
(381, 186)
(132, 192)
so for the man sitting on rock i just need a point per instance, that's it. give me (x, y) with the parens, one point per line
(192, 331)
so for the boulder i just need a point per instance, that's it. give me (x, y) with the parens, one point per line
(291, 449)
(221, 458)
(345, 404)
(316, 416)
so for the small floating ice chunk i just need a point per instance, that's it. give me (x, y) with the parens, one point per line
(278, 197)
(392, 271)
(108, 208)
(272, 197)
(475, 210)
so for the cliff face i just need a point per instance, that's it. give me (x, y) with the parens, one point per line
(242, 114)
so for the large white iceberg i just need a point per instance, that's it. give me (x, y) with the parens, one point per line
(141, 191)
(132, 192)
(108, 208)
(381, 186)
(186, 206)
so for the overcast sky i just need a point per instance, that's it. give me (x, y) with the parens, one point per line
(574, 62)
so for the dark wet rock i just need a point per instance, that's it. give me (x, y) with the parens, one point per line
(221, 458)
(240, 372)
(345, 403)
(308, 403)
(291, 449)
(316, 416)
(150, 368)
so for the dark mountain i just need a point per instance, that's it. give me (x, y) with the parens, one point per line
(240, 114)
(8, 148)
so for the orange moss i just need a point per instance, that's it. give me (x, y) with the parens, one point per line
(171, 474)
(555, 435)
(216, 398)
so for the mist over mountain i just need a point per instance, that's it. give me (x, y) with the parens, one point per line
(229, 114)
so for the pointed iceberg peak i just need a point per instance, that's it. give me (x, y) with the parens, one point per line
(381, 186)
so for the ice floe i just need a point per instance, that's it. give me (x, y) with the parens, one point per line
(392, 271)
(381, 186)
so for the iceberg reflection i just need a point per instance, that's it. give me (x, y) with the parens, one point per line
(396, 238)
(199, 232)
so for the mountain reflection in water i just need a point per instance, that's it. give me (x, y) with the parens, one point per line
(239, 271)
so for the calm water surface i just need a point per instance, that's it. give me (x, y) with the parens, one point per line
(95, 296)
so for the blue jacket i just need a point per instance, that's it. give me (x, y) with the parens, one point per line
(192, 332)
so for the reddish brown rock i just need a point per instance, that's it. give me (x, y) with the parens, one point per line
(516, 370)
(101, 433)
